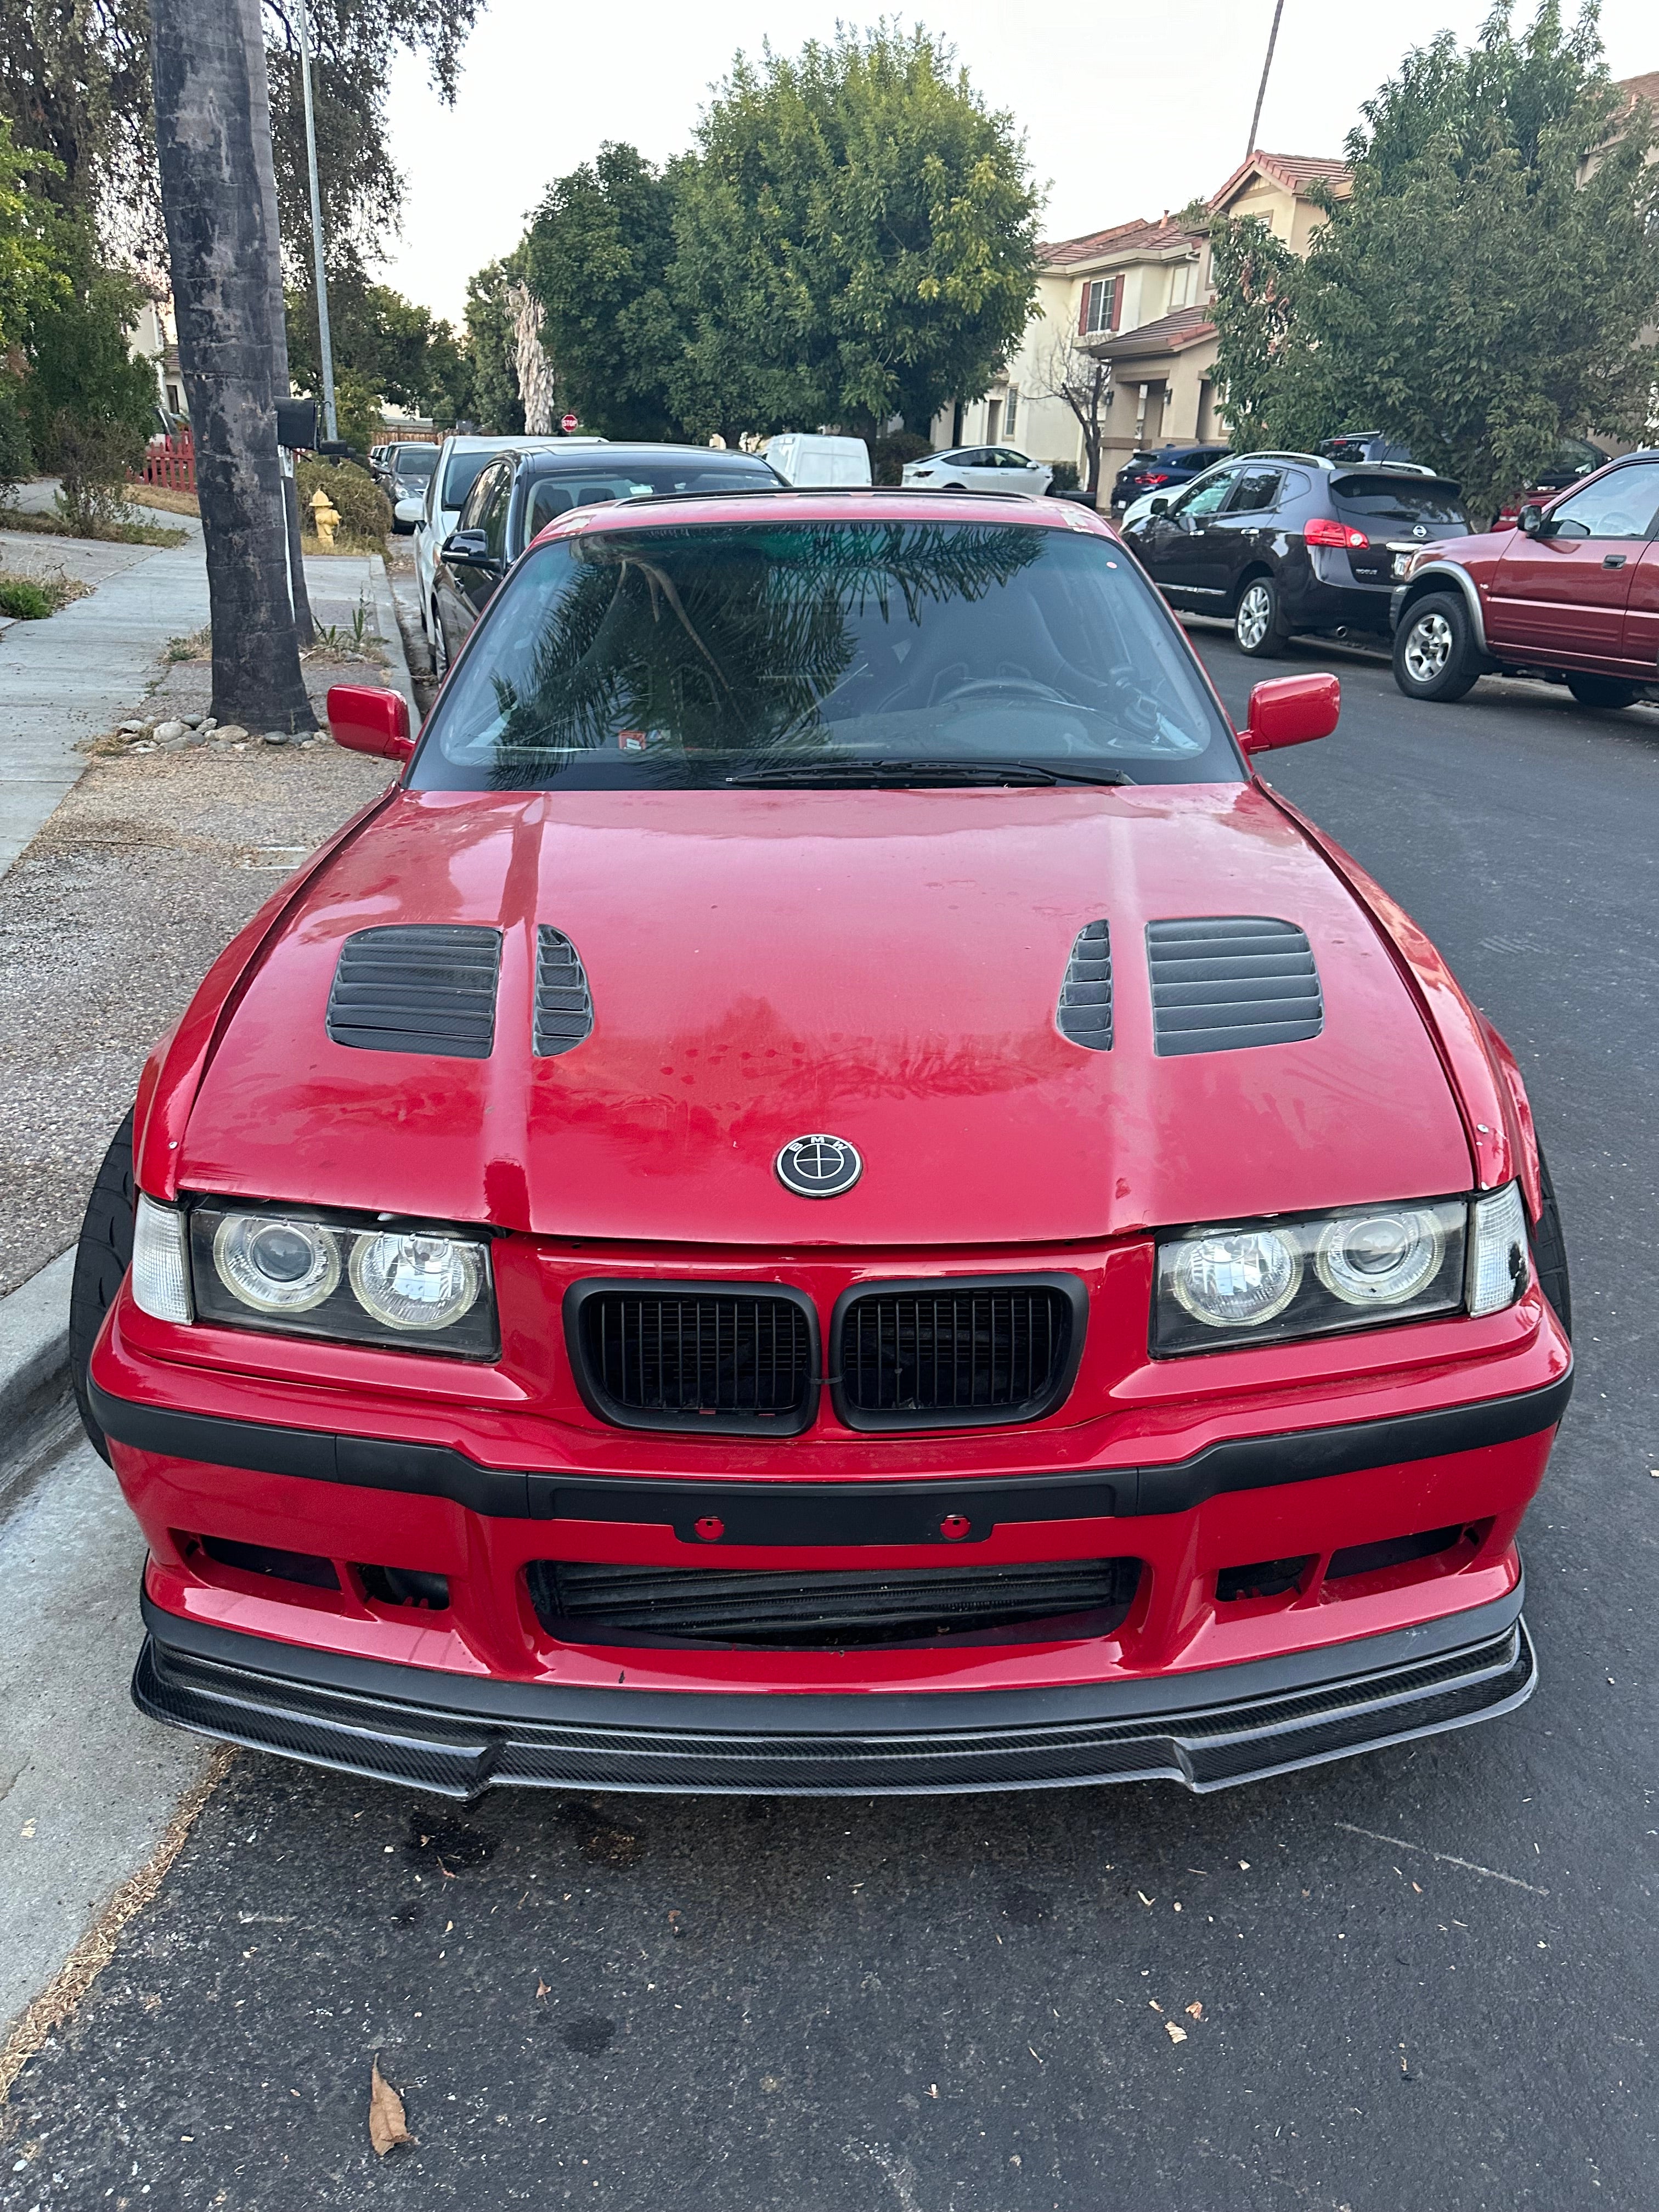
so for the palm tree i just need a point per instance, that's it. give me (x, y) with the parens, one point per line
(223, 262)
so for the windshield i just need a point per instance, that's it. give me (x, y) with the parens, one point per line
(1402, 499)
(415, 467)
(704, 653)
(557, 492)
(461, 475)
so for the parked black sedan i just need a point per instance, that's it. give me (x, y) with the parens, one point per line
(517, 494)
(1170, 465)
(1289, 542)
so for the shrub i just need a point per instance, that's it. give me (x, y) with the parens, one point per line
(1065, 477)
(365, 510)
(17, 455)
(23, 598)
(88, 405)
(889, 455)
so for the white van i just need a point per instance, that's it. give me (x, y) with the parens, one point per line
(807, 459)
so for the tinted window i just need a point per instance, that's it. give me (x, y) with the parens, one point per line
(1401, 499)
(1256, 491)
(461, 475)
(586, 484)
(682, 655)
(1621, 505)
(413, 466)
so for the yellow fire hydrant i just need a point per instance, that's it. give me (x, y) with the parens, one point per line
(325, 519)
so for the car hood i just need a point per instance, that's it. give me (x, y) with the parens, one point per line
(881, 966)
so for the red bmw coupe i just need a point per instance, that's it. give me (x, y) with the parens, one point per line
(828, 1195)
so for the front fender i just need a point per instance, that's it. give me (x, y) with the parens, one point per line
(1437, 574)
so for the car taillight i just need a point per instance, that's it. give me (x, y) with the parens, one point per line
(1322, 530)
(1164, 476)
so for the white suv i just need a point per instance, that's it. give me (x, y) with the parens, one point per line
(460, 461)
(979, 468)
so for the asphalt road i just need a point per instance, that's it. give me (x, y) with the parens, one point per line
(1425, 1977)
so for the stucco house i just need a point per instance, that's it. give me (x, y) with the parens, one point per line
(1136, 297)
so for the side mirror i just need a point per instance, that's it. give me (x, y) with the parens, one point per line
(1532, 518)
(366, 719)
(1291, 710)
(471, 546)
(1158, 506)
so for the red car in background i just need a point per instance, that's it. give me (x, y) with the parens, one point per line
(1572, 594)
(828, 1195)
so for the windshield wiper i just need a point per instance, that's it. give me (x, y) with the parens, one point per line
(902, 772)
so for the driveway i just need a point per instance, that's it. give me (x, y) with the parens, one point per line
(1420, 1978)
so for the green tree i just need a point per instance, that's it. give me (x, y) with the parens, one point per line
(855, 240)
(89, 406)
(598, 258)
(31, 270)
(496, 406)
(1483, 290)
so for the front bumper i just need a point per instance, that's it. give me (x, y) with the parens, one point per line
(428, 1730)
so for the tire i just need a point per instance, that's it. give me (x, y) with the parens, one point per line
(440, 648)
(1602, 691)
(102, 1256)
(1549, 1251)
(1434, 649)
(1259, 620)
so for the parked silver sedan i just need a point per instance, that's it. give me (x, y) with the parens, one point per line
(979, 468)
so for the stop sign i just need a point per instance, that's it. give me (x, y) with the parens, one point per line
(567, 423)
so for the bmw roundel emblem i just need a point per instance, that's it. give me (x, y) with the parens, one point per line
(818, 1167)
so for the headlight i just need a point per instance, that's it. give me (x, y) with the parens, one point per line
(418, 1288)
(1264, 1282)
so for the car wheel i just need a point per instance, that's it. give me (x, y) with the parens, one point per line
(1549, 1251)
(102, 1256)
(440, 648)
(1433, 650)
(1259, 621)
(1602, 691)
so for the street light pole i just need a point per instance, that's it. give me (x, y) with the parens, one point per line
(331, 420)
(1255, 120)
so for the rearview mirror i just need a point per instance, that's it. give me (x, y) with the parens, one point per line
(1291, 710)
(366, 719)
(1532, 518)
(1158, 506)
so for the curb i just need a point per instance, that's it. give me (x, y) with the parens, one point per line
(33, 1365)
(391, 637)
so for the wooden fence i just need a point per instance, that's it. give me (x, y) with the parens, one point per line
(171, 461)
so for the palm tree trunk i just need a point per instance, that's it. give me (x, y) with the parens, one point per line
(222, 262)
(254, 32)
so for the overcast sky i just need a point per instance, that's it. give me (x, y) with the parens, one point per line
(1127, 110)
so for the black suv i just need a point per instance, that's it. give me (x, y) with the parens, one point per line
(1288, 542)
(1170, 465)
(515, 496)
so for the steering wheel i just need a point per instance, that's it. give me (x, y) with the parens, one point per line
(987, 688)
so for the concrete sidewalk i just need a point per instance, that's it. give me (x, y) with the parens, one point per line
(75, 676)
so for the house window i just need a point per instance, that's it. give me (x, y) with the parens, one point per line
(1099, 305)
(1011, 411)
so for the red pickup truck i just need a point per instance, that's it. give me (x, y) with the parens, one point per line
(1572, 595)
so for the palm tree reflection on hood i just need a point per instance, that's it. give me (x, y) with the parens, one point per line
(691, 648)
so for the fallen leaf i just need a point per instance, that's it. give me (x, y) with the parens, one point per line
(542, 1989)
(1144, 1900)
(386, 2124)
(1195, 2010)
(1155, 2005)
(1176, 2034)
(1244, 1865)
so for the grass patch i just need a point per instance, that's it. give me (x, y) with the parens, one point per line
(111, 533)
(198, 645)
(169, 500)
(345, 541)
(31, 598)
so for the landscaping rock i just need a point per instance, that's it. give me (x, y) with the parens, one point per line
(230, 733)
(165, 731)
(276, 737)
(131, 729)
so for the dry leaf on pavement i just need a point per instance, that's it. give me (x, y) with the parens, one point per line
(1176, 2034)
(1195, 2010)
(387, 2125)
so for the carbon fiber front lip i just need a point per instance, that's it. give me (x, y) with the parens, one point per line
(458, 1737)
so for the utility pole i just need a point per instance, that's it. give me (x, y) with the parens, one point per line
(331, 420)
(1255, 120)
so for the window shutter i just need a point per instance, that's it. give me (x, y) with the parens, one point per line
(1083, 312)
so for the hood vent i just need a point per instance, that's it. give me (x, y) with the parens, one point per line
(564, 1005)
(1084, 1013)
(1223, 982)
(426, 990)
